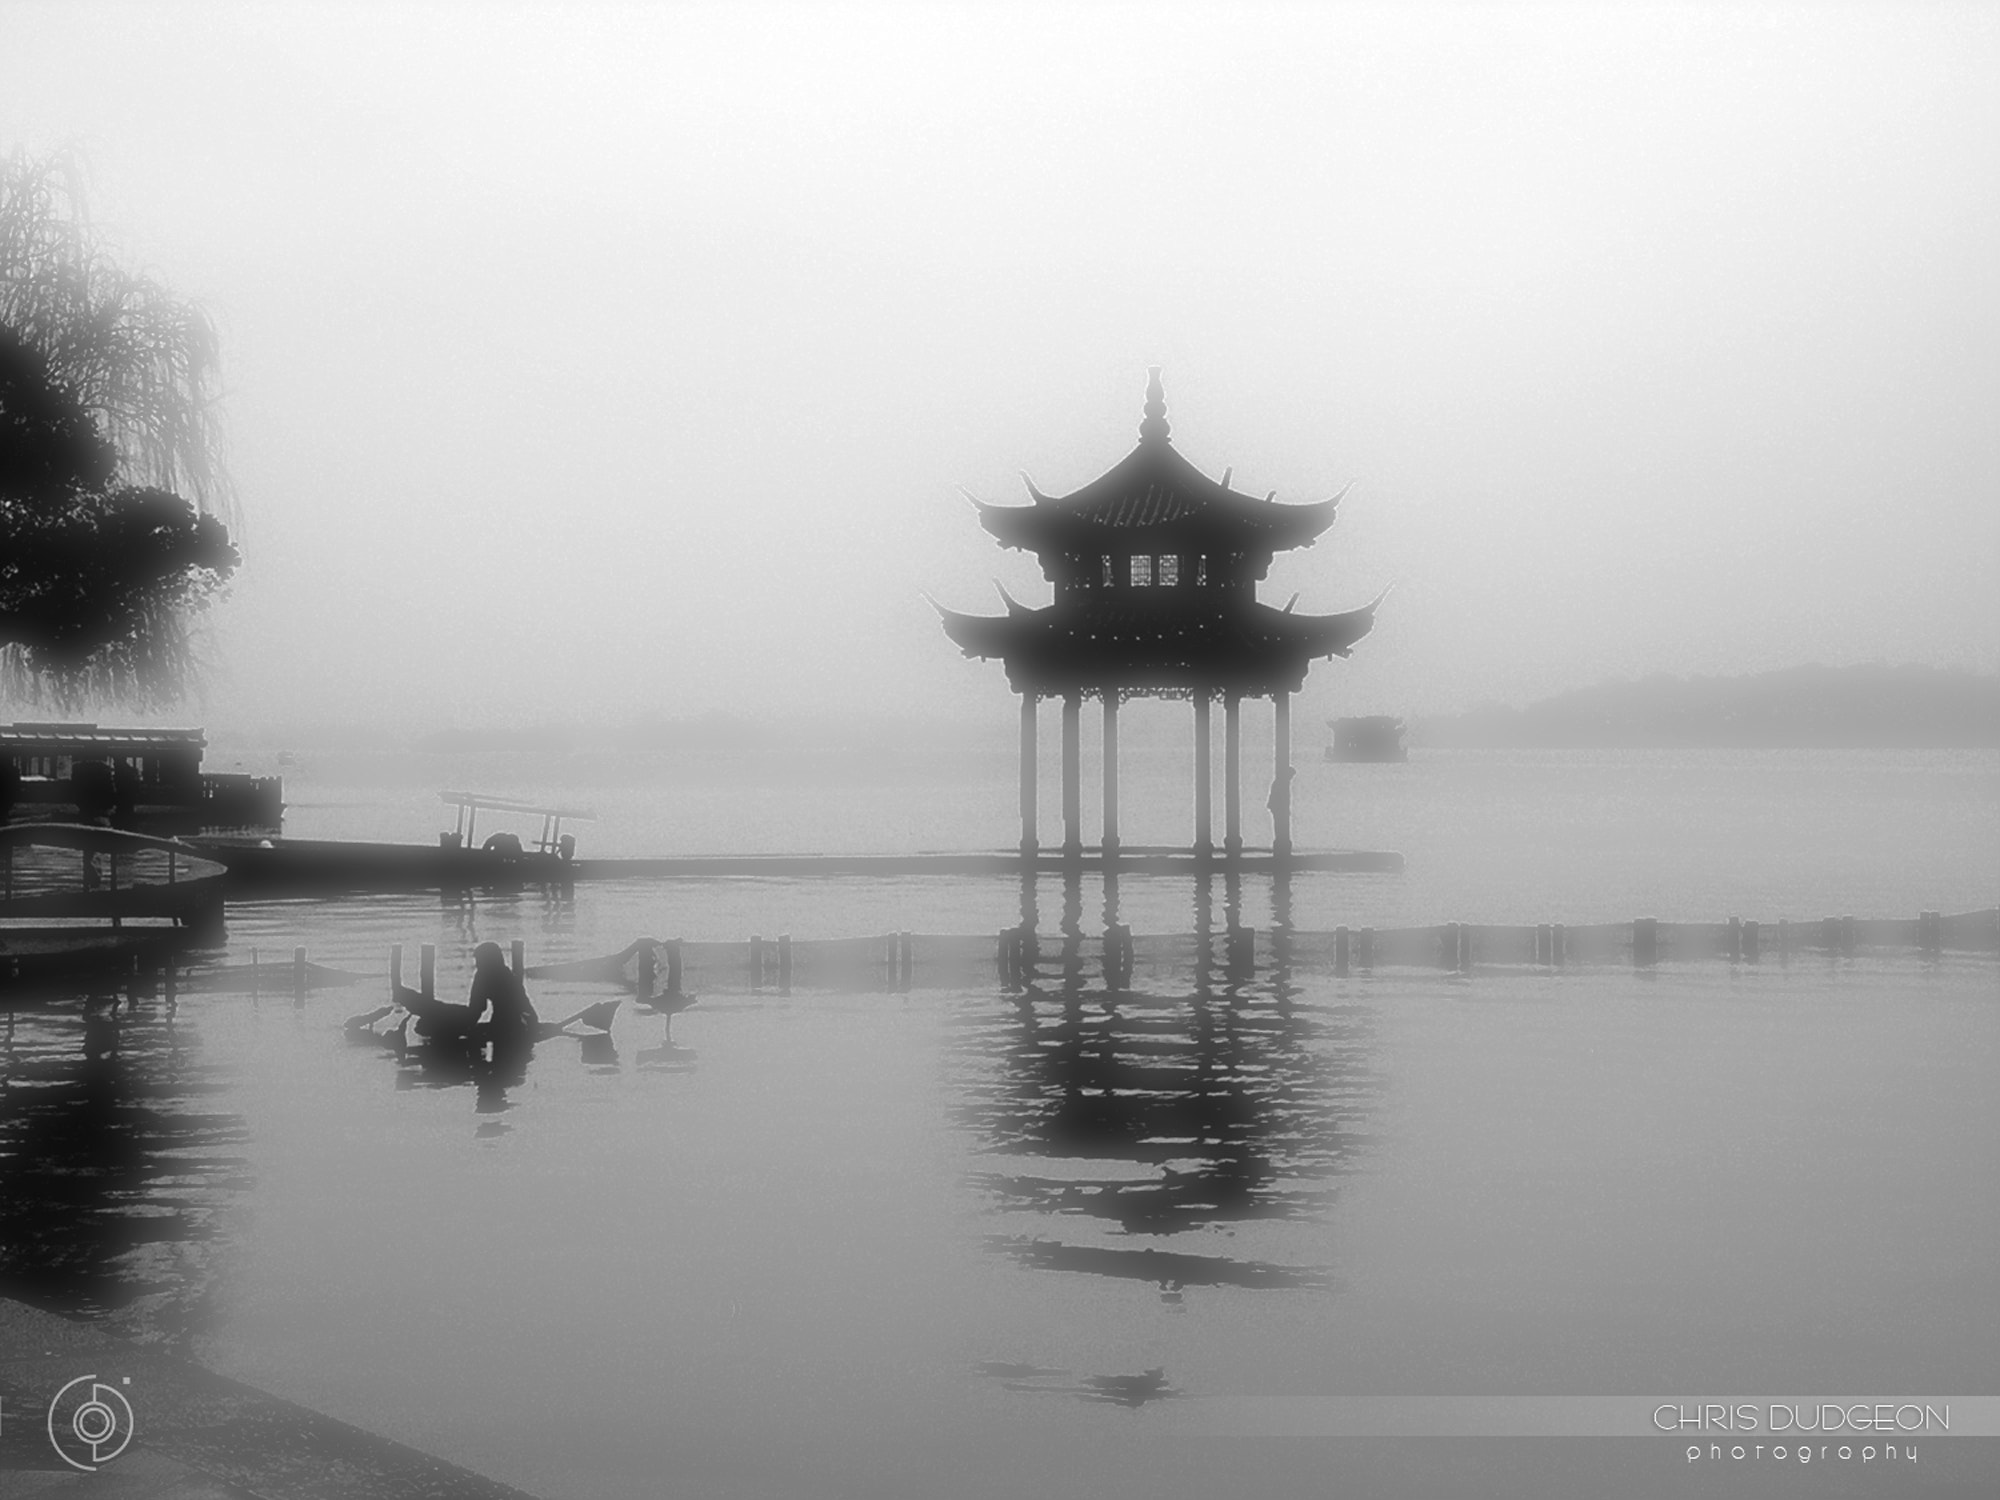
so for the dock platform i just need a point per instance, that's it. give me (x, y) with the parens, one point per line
(261, 866)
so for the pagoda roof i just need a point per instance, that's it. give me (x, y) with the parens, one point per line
(1249, 648)
(1153, 489)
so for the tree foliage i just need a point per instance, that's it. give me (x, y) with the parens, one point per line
(112, 489)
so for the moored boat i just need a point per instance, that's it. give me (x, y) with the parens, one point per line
(1371, 737)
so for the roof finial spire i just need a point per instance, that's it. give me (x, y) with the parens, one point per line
(1155, 429)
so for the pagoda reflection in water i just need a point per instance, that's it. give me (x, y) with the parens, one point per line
(1155, 1121)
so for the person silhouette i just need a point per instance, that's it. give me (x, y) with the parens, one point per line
(494, 984)
(1281, 784)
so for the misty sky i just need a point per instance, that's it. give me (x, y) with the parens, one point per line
(609, 363)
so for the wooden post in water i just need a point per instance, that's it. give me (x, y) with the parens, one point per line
(1558, 944)
(1751, 937)
(427, 965)
(1281, 777)
(1364, 949)
(519, 957)
(1340, 951)
(1243, 952)
(1204, 842)
(674, 966)
(648, 968)
(1110, 836)
(784, 963)
(395, 970)
(1072, 776)
(1735, 940)
(1232, 774)
(908, 955)
(1029, 835)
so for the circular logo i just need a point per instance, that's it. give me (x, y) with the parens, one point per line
(89, 1423)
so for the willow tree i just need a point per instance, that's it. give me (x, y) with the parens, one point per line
(114, 500)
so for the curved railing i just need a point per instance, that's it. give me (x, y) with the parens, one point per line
(82, 870)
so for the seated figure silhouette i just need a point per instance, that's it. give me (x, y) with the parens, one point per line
(494, 984)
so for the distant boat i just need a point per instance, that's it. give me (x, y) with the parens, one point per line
(1373, 737)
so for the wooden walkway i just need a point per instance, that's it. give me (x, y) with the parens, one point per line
(325, 866)
(196, 1435)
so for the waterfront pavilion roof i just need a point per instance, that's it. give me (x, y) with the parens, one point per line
(1139, 648)
(1154, 499)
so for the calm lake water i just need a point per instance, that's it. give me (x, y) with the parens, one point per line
(969, 1242)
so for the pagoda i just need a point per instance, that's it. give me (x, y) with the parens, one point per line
(1155, 568)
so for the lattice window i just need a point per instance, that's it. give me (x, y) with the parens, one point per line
(1169, 570)
(1142, 571)
(1108, 575)
(1201, 571)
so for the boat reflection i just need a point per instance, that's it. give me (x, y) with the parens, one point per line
(1163, 1116)
(1129, 1391)
(437, 1045)
(489, 1073)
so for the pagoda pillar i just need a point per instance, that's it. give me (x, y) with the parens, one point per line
(1110, 772)
(1202, 843)
(1072, 766)
(1232, 774)
(1029, 843)
(1281, 777)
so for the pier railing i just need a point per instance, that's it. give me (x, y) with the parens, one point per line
(1021, 957)
(1018, 956)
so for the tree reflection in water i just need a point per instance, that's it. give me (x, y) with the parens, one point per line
(1159, 1115)
(116, 1183)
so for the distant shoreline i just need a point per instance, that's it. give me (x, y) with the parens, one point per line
(1872, 707)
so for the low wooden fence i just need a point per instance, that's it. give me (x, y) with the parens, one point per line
(901, 961)
(1017, 957)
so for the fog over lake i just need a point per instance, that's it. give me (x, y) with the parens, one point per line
(591, 362)
(887, 1092)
